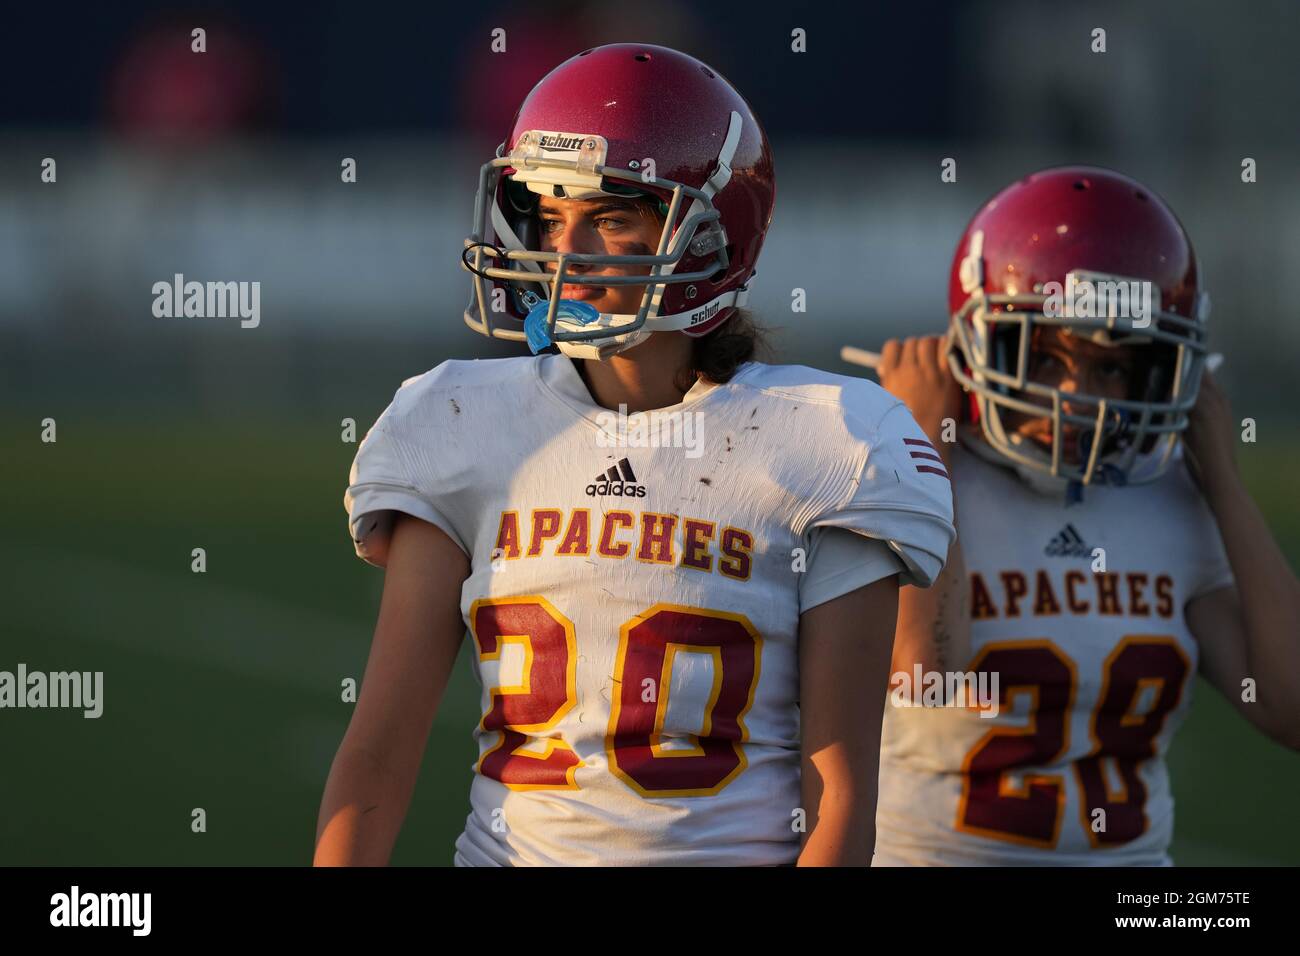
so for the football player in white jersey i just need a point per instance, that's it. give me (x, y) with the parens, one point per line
(1101, 573)
(678, 567)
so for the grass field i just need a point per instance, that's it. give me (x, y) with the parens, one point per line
(222, 689)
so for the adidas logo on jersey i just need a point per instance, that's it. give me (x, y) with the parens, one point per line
(617, 480)
(1068, 543)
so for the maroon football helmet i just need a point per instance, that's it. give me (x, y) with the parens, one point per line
(627, 120)
(1094, 252)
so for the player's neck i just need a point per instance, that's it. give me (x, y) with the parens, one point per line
(645, 377)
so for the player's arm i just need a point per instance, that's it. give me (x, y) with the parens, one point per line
(1250, 630)
(934, 622)
(416, 640)
(844, 648)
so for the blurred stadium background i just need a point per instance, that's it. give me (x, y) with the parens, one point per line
(222, 690)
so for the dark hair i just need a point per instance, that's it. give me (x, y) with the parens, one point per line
(717, 355)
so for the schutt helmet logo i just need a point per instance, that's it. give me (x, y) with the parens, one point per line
(561, 141)
(617, 480)
(703, 315)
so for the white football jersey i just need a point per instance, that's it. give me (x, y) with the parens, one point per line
(634, 607)
(1095, 672)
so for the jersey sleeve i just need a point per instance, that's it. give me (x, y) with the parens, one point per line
(901, 496)
(390, 474)
(840, 561)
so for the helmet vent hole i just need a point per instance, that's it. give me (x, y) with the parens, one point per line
(642, 58)
(1082, 184)
(707, 72)
(584, 53)
(1140, 194)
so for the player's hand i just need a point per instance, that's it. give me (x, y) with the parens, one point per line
(915, 370)
(1210, 440)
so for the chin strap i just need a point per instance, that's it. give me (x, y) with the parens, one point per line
(1107, 474)
(573, 315)
(1113, 475)
(602, 349)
